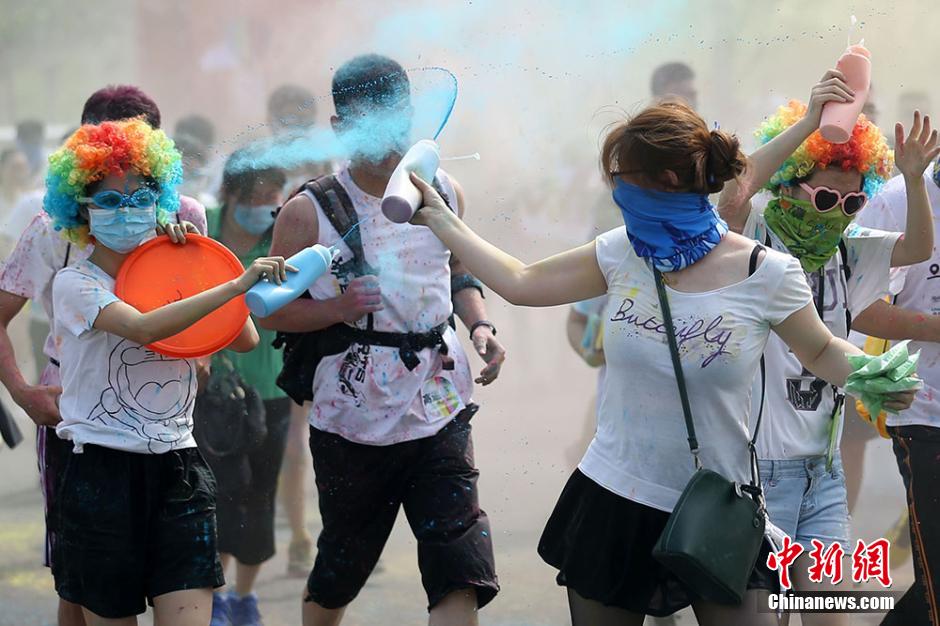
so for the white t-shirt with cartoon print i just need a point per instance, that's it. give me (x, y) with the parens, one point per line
(640, 450)
(798, 409)
(115, 392)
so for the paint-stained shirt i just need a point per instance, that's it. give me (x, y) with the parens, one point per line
(916, 290)
(798, 411)
(366, 394)
(41, 252)
(640, 450)
(115, 393)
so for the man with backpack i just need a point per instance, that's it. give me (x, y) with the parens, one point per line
(390, 421)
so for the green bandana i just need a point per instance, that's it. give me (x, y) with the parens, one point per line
(809, 235)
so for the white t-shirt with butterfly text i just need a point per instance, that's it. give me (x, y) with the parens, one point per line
(640, 450)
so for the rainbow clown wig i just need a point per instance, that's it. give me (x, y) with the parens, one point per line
(95, 151)
(867, 151)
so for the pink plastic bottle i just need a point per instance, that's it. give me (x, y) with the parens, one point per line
(838, 118)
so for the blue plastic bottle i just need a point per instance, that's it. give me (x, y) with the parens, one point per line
(266, 296)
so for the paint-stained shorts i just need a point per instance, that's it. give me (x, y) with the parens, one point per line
(362, 487)
(130, 527)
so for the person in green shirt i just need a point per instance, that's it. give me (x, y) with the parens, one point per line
(247, 481)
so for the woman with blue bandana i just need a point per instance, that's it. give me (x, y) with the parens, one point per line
(726, 295)
(815, 191)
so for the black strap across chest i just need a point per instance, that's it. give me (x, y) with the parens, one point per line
(754, 487)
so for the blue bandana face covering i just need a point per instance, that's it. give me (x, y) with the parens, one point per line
(670, 230)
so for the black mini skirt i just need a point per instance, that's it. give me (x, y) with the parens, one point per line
(602, 545)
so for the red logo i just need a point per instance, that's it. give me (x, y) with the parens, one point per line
(871, 561)
(868, 562)
(782, 560)
(826, 563)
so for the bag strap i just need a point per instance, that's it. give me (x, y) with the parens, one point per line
(677, 366)
(754, 488)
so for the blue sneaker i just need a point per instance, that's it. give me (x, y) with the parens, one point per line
(245, 610)
(221, 609)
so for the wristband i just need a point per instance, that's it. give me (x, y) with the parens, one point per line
(465, 281)
(482, 323)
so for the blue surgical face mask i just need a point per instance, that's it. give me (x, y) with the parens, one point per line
(671, 230)
(254, 219)
(122, 230)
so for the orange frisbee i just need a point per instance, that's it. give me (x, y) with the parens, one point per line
(160, 272)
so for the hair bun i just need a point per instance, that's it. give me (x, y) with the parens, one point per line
(725, 161)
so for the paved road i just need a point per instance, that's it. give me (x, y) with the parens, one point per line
(528, 421)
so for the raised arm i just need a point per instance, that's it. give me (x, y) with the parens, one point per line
(734, 203)
(561, 279)
(912, 156)
(824, 354)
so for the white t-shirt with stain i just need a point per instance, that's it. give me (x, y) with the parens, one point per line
(917, 290)
(640, 450)
(115, 393)
(798, 409)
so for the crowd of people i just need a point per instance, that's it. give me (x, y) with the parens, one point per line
(734, 317)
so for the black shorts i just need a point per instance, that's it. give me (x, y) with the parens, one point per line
(602, 545)
(247, 490)
(362, 487)
(53, 456)
(131, 527)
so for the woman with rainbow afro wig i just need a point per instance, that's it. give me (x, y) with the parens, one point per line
(94, 152)
(139, 524)
(814, 189)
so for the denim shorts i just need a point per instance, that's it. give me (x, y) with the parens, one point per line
(805, 501)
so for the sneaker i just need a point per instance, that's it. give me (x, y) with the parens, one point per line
(245, 610)
(300, 558)
(221, 610)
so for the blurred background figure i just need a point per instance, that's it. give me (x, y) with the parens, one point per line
(196, 127)
(291, 110)
(292, 113)
(675, 80)
(194, 136)
(247, 470)
(30, 139)
(14, 184)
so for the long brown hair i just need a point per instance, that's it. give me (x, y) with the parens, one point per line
(671, 136)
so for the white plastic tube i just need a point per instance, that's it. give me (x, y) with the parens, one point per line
(402, 198)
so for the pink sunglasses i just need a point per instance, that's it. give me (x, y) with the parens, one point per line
(825, 199)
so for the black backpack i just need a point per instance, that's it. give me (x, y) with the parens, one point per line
(229, 415)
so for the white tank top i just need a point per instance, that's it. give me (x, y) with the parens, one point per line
(366, 394)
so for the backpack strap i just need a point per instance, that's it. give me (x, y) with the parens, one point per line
(847, 274)
(339, 210)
